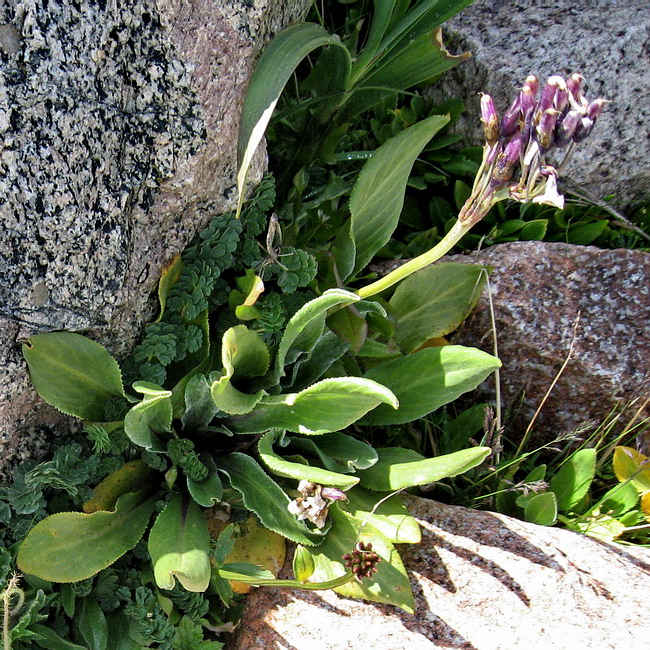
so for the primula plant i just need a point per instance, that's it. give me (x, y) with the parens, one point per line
(243, 418)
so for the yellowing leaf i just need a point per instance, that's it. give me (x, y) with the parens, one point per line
(257, 545)
(631, 465)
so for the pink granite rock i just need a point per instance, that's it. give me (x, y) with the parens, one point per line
(538, 291)
(481, 581)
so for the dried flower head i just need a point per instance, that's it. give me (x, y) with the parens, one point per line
(314, 503)
(522, 138)
(362, 561)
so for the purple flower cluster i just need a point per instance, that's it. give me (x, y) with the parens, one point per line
(557, 117)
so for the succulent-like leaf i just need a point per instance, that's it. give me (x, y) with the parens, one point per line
(389, 585)
(73, 546)
(179, 545)
(150, 416)
(434, 302)
(263, 496)
(300, 471)
(73, 373)
(399, 468)
(329, 405)
(427, 379)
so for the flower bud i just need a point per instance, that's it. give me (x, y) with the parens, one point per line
(507, 160)
(546, 128)
(490, 119)
(532, 83)
(333, 494)
(583, 129)
(595, 108)
(547, 98)
(566, 128)
(303, 564)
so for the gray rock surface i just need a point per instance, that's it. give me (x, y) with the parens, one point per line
(607, 41)
(538, 290)
(481, 581)
(118, 127)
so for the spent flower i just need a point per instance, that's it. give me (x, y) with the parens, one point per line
(362, 561)
(314, 503)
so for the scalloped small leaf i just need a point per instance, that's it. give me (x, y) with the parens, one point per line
(73, 546)
(73, 373)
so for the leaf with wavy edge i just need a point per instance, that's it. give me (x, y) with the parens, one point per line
(73, 546)
(73, 373)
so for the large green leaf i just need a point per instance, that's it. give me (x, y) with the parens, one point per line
(275, 66)
(150, 416)
(72, 546)
(179, 545)
(244, 355)
(337, 451)
(399, 468)
(390, 517)
(427, 379)
(263, 496)
(541, 509)
(300, 471)
(435, 301)
(306, 326)
(377, 198)
(73, 373)
(330, 405)
(389, 585)
(91, 622)
(573, 480)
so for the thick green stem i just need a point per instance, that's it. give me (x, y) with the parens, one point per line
(441, 248)
(272, 582)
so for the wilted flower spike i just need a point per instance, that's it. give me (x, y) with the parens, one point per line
(314, 503)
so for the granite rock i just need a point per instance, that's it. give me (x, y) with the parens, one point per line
(607, 41)
(539, 291)
(118, 127)
(481, 581)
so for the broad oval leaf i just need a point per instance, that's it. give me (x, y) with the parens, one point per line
(399, 468)
(263, 496)
(275, 66)
(329, 405)
(631, 465)
(300, 471)
(179, 545)
(209, 491)
(390, 517)
(542, 509)
(573, 480)
(434, 301)
(73, 546)
(389, 585)
(378, 195)
(427, 379)
(73, 373)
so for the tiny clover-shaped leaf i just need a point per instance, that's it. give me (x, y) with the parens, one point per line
(73, 546)
(150, 416)
(73, 373)
(179, 545)
(329, 405)
(244, 355)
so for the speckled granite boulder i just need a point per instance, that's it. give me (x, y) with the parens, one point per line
(118, 124)
(481, 581)
(605, 40)
(538, 290)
